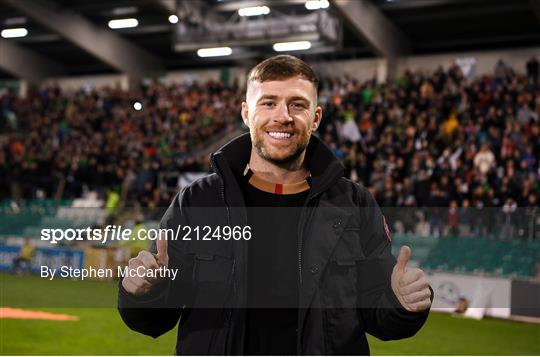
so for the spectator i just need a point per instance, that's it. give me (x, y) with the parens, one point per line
(509, 218)
(461, 306)
(532, 71)
(422, 228)
(484, 160)
(503, 71)
(23, 262)
(453, 219)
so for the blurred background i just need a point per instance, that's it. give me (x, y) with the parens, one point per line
(108, 108)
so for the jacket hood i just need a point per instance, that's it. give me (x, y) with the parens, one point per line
(324, 166)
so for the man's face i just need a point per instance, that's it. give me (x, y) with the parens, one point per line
(281, 115)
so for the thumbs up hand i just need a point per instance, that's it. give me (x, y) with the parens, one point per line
(139, 285)
(162, 256)
(410, 285)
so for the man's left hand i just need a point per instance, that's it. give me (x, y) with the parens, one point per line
(410, 285)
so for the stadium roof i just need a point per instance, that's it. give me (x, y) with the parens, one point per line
(72, 37)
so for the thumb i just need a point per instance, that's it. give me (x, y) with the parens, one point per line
(403, 258)
(161, 245)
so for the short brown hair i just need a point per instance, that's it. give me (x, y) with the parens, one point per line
(282, 67)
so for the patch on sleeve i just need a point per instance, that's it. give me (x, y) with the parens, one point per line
(386, 229)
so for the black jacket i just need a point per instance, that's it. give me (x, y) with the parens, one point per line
(344, 266)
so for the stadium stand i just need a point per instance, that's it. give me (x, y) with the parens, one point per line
(426, 139)
(444, 156)
(91, 141)
(423, 140)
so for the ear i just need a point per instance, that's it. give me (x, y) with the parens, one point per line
(317, 119)
(244, 112)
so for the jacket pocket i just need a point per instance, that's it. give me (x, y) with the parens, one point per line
(212, 277)
(338, 295)
(338, 286)
(211, 268)
(339, 283)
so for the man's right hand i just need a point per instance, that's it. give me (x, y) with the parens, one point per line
(140, 285)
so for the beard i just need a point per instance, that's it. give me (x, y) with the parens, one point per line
(283, 158)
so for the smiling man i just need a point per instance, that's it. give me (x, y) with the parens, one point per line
(281, 114)
(317, 272)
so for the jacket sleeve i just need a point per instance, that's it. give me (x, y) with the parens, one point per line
(379, 308)
(159, 310)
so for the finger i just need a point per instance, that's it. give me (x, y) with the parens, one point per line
(417, 296)
(413, 284)
(403, 258)
(420, 306)
(134, 265)
(411, 276)
(128, 285)
(148, 260)
(134, 286)
(162, 254)
(142, 282)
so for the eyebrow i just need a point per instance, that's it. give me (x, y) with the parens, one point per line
(269, 96)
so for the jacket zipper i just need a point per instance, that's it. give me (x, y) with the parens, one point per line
(301, 234)
(222, 194)
(231, 312)
(222, 190)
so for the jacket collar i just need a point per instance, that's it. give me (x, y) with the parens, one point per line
(325, 168)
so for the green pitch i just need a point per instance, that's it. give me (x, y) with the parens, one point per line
(101, 331)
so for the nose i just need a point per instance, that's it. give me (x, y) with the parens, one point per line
(282, 114)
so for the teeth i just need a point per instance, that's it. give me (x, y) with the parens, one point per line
(279, 135)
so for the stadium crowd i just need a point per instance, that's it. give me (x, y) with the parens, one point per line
(439, 140)
(435, 140)
(97, 140)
